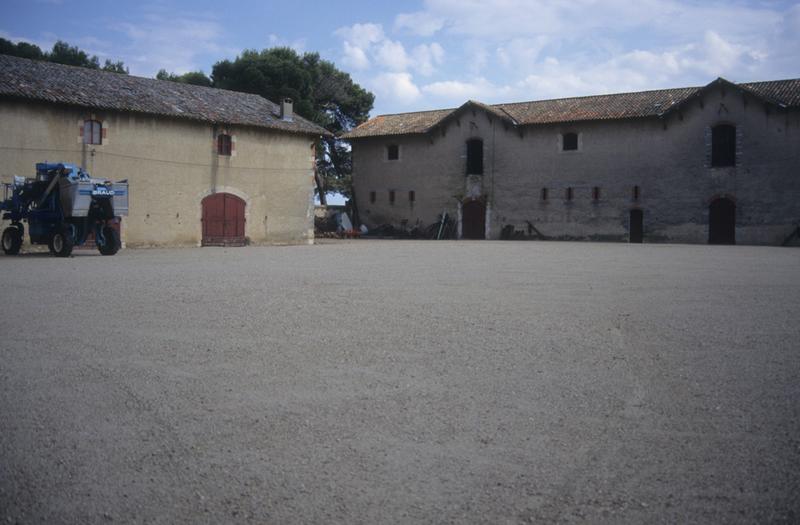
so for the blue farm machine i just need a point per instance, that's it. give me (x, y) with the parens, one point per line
(63, 205)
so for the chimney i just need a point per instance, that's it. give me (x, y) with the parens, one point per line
(286, 109)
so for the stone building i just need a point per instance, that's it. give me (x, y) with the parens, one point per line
(719, 164)
(205, 165)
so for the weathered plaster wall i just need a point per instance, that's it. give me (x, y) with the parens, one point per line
(171, 165)
(668, 159)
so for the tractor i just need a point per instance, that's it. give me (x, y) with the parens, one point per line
(63, 205)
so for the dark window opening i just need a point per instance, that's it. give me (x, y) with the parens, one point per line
(92, 132)
(636, 193)
(475, 157)
(544, 194)
(569, 142)
(411, 196)
(596, 193)
(372, 197)
(391, 196)
(392, 152)
(723, 146)
(569, 194)
(224, 144)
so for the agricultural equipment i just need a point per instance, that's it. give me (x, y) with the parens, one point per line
(63, 207)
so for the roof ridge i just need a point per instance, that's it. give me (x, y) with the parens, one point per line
(595, 96)
(47, 63)
(412, 112)
(28, 78)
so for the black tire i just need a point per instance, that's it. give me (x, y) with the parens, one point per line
(112, 244)
(61, 243)
(12, 240)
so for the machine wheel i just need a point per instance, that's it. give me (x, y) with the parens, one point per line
(12, 240)
(61, 243)
(112, 244)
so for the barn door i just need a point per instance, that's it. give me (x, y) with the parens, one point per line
(473, 220)
(223, 220)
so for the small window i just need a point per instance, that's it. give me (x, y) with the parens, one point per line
(391, 196)
(372, 197)
(544, 194)
(568, 194)
(392, 152)
(596, 193)
(569, 142)
(224, 144)
(723, 146)
(475, 157)
(636, 192)
(412, 196)
(92, 132)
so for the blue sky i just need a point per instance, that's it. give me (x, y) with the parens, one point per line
(439, 53)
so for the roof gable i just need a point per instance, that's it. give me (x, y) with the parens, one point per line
(91, 88)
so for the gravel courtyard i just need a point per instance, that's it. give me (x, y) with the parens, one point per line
(379, 381)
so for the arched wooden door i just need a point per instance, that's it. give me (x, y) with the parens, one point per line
(722, 222)
(473, 220)
(223, 220)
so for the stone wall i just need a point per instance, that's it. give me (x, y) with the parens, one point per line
(668, 159)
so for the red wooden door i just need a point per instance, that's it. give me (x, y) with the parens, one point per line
(223, 220)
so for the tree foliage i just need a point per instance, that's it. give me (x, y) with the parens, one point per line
(321, 93)
(198, 78)
(62, 53)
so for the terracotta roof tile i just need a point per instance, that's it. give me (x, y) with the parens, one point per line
(599, 107)
(91, 88)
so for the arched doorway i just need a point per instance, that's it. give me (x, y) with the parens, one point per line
(223, 220)
(473, 220)
(637, 226)
(722, 221)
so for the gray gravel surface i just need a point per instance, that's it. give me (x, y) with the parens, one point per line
(371, 381)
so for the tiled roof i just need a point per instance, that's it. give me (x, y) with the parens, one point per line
(600, 107)
(49, 82)
(399, 124)
(785, 92)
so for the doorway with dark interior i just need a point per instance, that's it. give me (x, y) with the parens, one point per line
(636, 226)
(722, 221)
(473, 219)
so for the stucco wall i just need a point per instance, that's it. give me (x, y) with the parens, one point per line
(171, 166)
(668, 159)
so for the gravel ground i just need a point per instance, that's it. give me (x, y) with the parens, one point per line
(372, 381)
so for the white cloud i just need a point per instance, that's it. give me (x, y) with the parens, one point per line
(166, 41)
(392, 55)
(361, 35)
(455, 93)
(398, 87)
(426, 58)
(354, 57)
(298, 44)
(419, 23)
(366, 45)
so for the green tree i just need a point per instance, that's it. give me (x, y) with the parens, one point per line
(321, 93)
(62, 53)
(198, 78)
(21, 49)
(115, 67)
